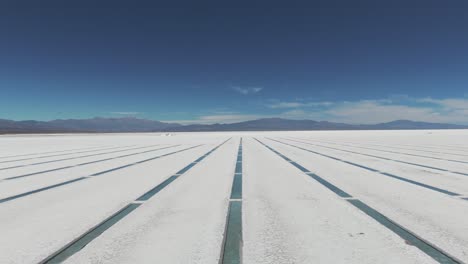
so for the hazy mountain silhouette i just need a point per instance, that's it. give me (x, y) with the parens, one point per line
(280, 124)
(97, 124)
(131, 124)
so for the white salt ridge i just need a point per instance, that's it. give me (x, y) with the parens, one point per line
(287, 216)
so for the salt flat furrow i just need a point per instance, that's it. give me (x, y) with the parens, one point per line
(64, 165)
(88, 176)
(48, 143)
(432, 139)
(398, 157)
(36, 226)
(444, 180)
(232, 247)
(463, 149)
(381, 173)
(382, 149)
(439, 161)
(453, 168)
(291, 218)
(413, 150)
(353, 197)
(77, 245)
(455, 183)
(22, 185)
(73, 151)
(420, 210)
(126, 148)
(30, 146)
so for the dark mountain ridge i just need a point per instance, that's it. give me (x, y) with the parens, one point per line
(131, 124)
(97, 124)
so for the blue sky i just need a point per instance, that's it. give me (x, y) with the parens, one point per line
(212, 62)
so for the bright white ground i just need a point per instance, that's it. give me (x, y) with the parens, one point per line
(287, 216)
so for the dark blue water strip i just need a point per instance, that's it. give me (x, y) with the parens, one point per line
(44, 162)
(56, 151)
(420, 184)
(166, 182)
(79, 243)
(182, 171)
(419, 150)
(87, 177)
(157, 188)
(391, 151)
(434, 252)
(408, 236)
(86, 163)
(89, 236)
(325, 183)
(236, 191)
(72, 158)
(384, 158)
(231, 249)
(41, 190)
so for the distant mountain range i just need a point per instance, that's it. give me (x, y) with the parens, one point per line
(131, 124)
(97, 124)
(279, 124)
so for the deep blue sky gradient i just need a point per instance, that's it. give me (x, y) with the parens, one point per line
(194, 60)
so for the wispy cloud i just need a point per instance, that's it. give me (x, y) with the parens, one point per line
(213, 119)
(370, 112)
(247, 90)
(126, 113)
(450, 104)
(277, 105)
(227, 118)
(286, 105)
(449, 110)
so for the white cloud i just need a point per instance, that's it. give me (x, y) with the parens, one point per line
(368, 112)
(126, 113)
(451, 104)
(213, 119)
(301, 114)
(227, 118)
(377, 111)
(286, 105)
(296, 113)
(448, 110)
(247, 90)
(278, 105)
